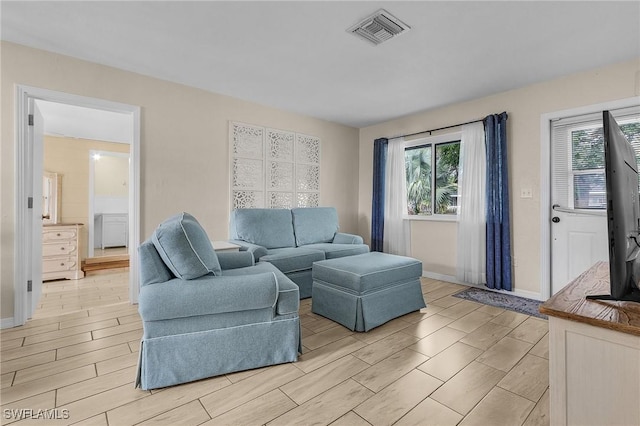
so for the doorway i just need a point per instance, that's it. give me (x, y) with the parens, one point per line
(28, 240)
(573, 214)
(108, 205)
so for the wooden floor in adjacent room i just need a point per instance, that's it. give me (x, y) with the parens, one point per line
(455, 362)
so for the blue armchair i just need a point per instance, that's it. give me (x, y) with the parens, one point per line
(206, 313)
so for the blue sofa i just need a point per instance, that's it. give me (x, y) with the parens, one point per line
(293, 239)
(206, 313)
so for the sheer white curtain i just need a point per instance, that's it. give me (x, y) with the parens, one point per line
(397, 231)
(471, 265)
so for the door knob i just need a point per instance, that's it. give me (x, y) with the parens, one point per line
(555, 219)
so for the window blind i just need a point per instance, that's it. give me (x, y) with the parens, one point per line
(577, 157)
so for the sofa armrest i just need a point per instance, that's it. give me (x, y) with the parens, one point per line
(256, 250)
(343, 238)
(207, 295)
(235, 259)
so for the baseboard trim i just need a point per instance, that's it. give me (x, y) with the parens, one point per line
(442, 277)
(7, 323)
(451, 279)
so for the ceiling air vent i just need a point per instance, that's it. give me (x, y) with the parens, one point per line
(379, 27)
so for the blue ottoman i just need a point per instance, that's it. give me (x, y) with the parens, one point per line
(364, 291)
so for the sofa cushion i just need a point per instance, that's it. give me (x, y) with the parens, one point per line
(185, 247)
(270, 228)
(367, 272)
(293, 259)
(153, 270)
(333, 251)
(314, 225)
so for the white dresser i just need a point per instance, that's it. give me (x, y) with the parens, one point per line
(61, 252)
(111, 230)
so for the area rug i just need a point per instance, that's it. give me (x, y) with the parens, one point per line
(500, 300)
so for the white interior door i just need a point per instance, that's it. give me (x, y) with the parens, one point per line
(36, 135)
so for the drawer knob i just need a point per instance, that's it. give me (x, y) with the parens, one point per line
(62, 264)
(61, 248)
(58, 234)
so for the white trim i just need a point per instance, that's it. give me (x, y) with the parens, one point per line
(7, 323)
(24, 94)
(451, 279)
(545, 179)
(442, 277)
(134, 201)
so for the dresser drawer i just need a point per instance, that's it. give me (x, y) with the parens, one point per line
(60, 249)
(56, 265)
(58, 235)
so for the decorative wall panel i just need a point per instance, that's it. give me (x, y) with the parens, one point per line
(280, 176)
(273, 168)
(248, 173)
(280, 145)
(308, 149)
(247, 141)
(280, 200)
(248, 199)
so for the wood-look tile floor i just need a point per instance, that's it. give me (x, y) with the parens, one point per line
(98, 288)
(455, 362)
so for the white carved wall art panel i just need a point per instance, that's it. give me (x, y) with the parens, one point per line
(280, 176)
(280, 200)
(248, 141)
(308, 177)
(307, 152)
(280, 145)
(308, 149)
(248, 173)
(308, 199)
(273, 168)
(248, 199)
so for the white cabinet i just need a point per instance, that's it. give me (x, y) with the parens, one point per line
(61, 252)
(111, 230)
(594, 354)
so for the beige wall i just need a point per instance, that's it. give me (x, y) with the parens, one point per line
(184, 144)
(70, 158)
(435, 242)
(111, 176)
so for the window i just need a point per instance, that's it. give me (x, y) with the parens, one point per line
(433, 190)
(583, 184)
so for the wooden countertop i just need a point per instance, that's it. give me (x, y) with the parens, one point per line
(570, 303)
(62, 224)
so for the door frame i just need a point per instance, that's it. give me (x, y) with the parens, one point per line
(21, 272)
(545, 179)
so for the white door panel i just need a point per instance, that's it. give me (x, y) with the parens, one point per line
(578, 241)
(36, 140)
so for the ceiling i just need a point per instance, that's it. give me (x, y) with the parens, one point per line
(297, 56)
(64, 120)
